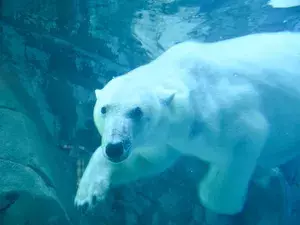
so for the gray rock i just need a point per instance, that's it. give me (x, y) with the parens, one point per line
(26, 198)
(31, 190)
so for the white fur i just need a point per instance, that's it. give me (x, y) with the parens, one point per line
(242, 93)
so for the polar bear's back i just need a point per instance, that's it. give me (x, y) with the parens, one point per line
(273, 58)
(270, 58)
(270, 62)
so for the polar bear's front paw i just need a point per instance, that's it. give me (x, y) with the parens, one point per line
(89, 193)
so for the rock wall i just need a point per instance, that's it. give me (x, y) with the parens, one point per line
(31, 188)
(64, 57)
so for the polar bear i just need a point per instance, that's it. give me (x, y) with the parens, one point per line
(234, 104)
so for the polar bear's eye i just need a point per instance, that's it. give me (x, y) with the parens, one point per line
(103, 110)
(136, 113)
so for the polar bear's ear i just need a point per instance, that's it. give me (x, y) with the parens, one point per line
(166, 96)
(98, 93)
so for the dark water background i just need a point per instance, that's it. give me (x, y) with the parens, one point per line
(54, 53)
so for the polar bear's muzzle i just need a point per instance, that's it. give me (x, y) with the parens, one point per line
(118, 151)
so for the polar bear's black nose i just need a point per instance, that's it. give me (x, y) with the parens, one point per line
(114, 151)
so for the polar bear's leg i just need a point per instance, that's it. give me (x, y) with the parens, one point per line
(94, 183)
(224, 189)
(101, 174)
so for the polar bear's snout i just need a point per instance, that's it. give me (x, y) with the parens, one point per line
(118, 151)
(117, 138)
(114, 150)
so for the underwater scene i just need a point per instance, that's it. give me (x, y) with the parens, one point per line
(149, 112)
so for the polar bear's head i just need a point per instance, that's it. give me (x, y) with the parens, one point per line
(130, 118)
